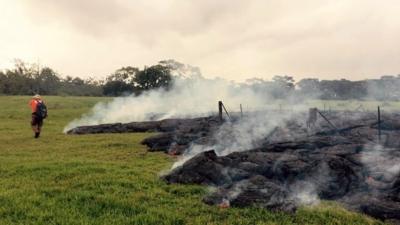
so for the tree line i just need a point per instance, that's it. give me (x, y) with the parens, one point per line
(27, 79)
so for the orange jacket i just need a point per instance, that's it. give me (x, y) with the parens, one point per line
(33, 103)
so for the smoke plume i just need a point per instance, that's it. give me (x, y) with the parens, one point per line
(188, 97)
(244, 134)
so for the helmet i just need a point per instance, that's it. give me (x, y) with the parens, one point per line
(36, 96)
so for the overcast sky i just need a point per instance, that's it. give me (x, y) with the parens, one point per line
(233, 39)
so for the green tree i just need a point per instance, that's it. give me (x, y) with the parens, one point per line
(47, 82)
(285, 82)
(117, 88)
(309, 87)
(157, 76)
(281, 86)
(3, 82)
(121, 82)
(124, 74)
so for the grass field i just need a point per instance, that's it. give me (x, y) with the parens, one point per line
(108, 178)
(327, 105)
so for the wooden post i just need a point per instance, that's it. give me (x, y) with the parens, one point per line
(312, 117)
(379, 124)
(226, 111)
(326, 119)
(241, 111)
(220, 110)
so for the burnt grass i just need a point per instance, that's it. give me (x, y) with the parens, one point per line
(292, 166)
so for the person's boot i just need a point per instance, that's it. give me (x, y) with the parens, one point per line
(37, 134)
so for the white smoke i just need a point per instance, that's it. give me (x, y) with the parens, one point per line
(305, 193)
(241, 135)
(379, 160)
(192, 95)
(187, 98)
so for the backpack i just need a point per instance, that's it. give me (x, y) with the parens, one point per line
(41, 110)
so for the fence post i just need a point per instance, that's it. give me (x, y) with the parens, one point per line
(312, 117)
(379, 124)
(241, 111)
(220, 110)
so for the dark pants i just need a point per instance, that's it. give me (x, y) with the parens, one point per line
(36, 120)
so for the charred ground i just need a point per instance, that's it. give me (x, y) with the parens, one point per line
(292, 165)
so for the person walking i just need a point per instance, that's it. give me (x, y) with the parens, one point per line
(39, 113)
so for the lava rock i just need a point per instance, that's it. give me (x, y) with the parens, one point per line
(255, 191)
(346, 164)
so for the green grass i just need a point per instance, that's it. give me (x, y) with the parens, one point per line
(326, 105)
(108, 178)
(354, 104)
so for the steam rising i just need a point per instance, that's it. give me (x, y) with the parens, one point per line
(196, 96)
(242, 135)
(189, 97)
(305, 193)
(379, 160)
